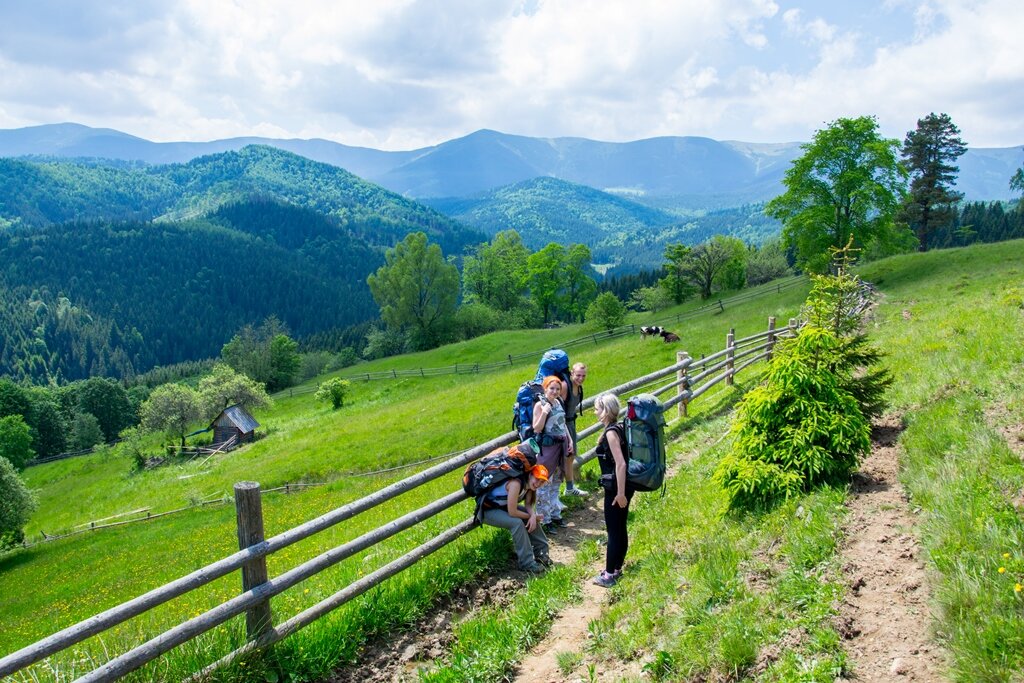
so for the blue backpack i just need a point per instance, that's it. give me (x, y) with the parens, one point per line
(554, 362)
(645, 436)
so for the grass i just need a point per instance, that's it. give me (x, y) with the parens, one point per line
(385, 424)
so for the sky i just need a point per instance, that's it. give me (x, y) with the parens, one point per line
(404, 74)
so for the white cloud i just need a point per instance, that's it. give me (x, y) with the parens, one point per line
(400, 74)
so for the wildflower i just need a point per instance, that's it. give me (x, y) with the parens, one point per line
(1002, 570)
(1017, 588)
(1006, 556)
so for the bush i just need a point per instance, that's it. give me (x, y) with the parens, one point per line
(343, 359)
(475, 319)
(606, 312)
(333, 390)
(381, 343)
(800, 428)
(16, 505)
(314, 363)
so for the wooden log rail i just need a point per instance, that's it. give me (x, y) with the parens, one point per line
(258, 589)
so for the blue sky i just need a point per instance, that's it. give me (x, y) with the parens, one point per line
(401, 74)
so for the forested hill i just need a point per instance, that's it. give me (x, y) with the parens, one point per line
(616, 229)
(547, 210)
(109, 269)
(115, 298)
(42, 192)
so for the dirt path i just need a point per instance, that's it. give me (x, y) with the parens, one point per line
(885, 615)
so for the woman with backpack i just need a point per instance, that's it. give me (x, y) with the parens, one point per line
(501, 509)
(612, 455)
(555, 448)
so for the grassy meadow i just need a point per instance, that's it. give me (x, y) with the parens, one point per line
(383, 424)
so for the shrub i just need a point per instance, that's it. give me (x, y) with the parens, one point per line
(85, 431)
(606, 312)
(333, 390)
(475, 319)
(799, 428)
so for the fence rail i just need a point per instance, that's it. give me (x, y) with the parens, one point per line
(253, 601)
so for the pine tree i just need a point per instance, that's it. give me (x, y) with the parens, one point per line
(929, 154)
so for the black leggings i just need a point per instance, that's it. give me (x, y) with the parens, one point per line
(615, 521)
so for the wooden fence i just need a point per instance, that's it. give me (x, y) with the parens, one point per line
(689, 378)
(595, 338)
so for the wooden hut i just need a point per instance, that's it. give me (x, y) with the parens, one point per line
(233, 421)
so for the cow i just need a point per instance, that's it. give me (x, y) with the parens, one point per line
(669, 336)
(651, 331)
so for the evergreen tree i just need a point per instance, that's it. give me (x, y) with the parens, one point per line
(677, 281)
(929, 155)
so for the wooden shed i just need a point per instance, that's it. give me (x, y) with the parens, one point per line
(233, 421)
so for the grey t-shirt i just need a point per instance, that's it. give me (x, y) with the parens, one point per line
(555, 424)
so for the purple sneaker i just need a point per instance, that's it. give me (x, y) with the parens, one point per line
(605, 580)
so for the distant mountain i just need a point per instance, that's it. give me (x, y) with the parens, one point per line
(547, 210)
(669, 172)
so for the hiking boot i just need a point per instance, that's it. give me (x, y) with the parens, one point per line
(560, 523)
(534, 568)
(605, 580)
(549, 528)
(579, 493)
(544, 560)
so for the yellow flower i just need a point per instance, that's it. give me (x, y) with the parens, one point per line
(1002, 570)
(1006, 556)
(1017, 588)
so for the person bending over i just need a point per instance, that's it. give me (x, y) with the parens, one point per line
(502, 509)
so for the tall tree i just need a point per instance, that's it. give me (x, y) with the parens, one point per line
(929, 155)
(705, 262)
(15, 441)
(1017, 183)
(496, 274)
(108, 402)
(677, 281)
(417, 290)
(848, 182)
(579, 288)
(545, 277)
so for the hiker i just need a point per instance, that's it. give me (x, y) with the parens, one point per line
(618, 492)
(573, 409)
(555, 450)
(502, 509)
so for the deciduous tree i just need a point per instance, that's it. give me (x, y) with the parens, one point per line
(171, 408)
(16, 505)
(579, 288)
(15, 441)
(496, 274)
(606, 312)
(545, 277)
(224, 387)
(417, 290)
(848, 182)
(929, 155)
(705, 262)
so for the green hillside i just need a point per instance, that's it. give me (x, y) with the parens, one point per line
(617, 230)
(111, 269)
(950, 323)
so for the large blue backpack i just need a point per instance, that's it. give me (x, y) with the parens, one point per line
(645, 436)
(553, 362)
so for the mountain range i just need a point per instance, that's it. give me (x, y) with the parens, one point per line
(673, 173)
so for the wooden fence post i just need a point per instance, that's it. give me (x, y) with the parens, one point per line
(249, 515)
(683, 385)
(730, 345)
(792, 325)
(721, 307)
(771, 337)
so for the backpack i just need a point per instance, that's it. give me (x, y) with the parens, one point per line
(496, 468)
(645, 436)
(553, 362)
